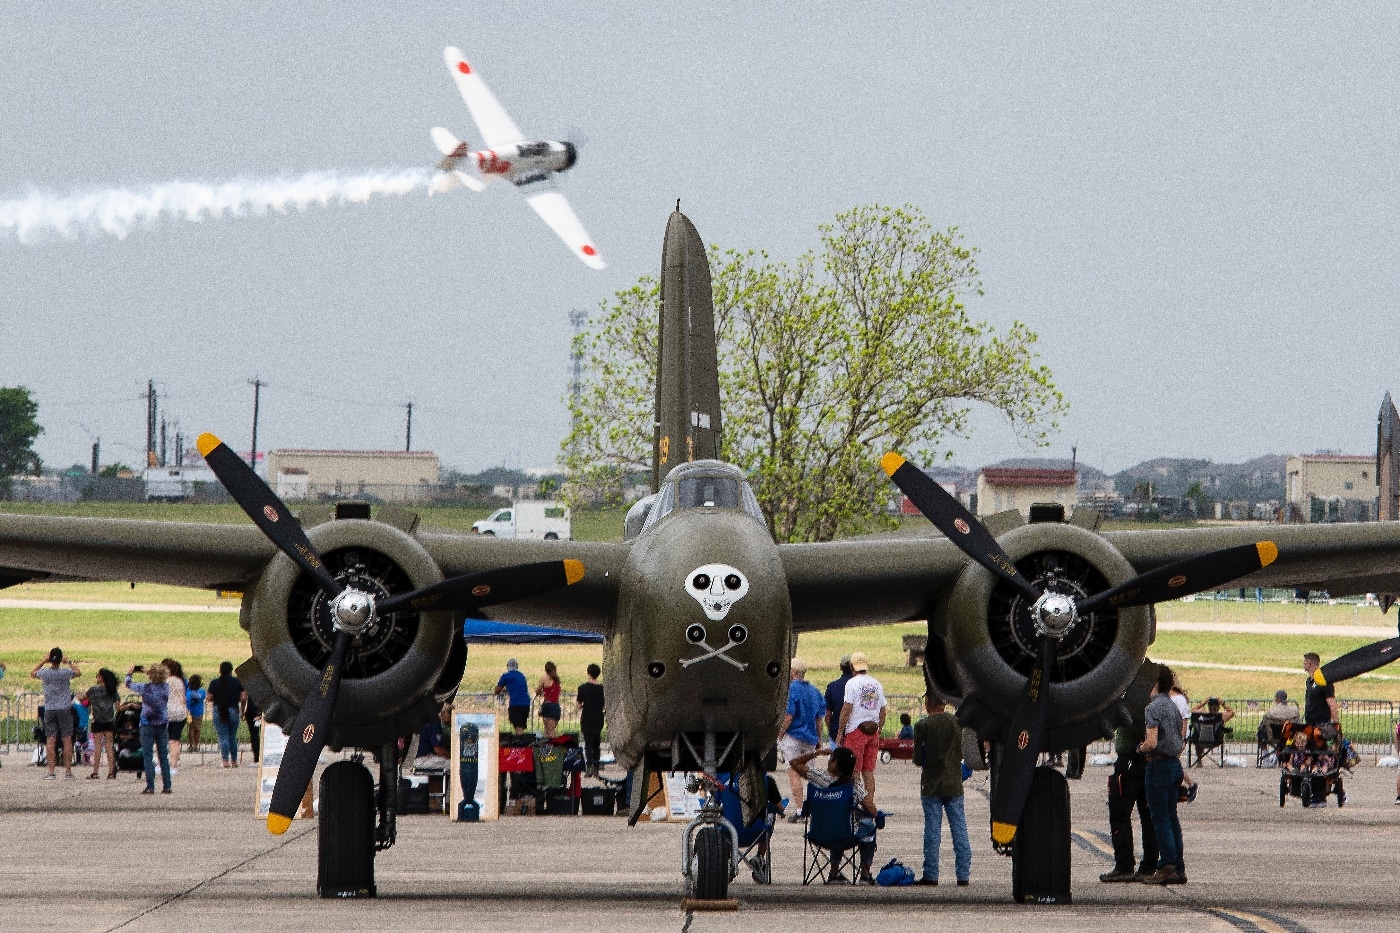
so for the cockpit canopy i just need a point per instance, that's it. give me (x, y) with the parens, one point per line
(694, 485)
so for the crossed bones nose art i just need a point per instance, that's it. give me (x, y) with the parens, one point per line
(716, 587)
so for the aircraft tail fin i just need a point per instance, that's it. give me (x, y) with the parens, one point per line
(688, 423)
(448, 144)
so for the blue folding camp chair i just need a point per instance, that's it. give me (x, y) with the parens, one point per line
(830, 833)
(754, 848)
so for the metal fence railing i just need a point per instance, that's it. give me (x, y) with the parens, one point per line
(19, 714)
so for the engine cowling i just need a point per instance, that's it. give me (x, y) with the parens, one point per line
(982, 645)
(394, 674)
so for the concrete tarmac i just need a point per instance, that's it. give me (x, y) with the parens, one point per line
(99, 856)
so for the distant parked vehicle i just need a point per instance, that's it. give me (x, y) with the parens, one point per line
(533, 518)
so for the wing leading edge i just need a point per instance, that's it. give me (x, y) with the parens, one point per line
(497, 128)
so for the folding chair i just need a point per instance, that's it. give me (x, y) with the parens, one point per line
(1207, 735)
(830, 829)
(755, 849)
(1270, 738)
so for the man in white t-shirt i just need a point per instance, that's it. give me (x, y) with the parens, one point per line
(863, 719)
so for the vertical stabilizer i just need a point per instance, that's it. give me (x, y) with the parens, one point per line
(687, 370)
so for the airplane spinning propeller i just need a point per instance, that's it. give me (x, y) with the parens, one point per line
(1053, 614)
(353, 611)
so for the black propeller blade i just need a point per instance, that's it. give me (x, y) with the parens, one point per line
(956, 522)
(265, 509)
(352, 611)
(1358, 662)
(488, 587)
(1024, 738)
(1192, 575)
(305, 738)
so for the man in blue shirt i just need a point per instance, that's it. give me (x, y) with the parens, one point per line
(517, 690)
(802, 729)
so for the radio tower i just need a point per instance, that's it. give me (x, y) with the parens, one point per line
(577, 319)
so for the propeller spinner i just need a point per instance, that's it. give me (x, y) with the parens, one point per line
(353, 611)
(1053, 614)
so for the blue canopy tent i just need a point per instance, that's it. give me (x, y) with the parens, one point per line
(486, 632)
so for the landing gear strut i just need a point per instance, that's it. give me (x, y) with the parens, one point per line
(710, 846)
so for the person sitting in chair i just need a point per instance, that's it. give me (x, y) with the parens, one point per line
(840, 771)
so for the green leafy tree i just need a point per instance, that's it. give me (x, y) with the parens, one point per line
(19, 426)
(857, 348)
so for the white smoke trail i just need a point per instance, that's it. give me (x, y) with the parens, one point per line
(116, 211)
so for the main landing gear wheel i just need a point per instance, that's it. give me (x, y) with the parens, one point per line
(709, 864)
(345, 832)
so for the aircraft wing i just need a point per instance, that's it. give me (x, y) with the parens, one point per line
(873, 581)
(556, 212)
(840, 584)
(1343, 559)
(38, 547)
(212, 556)
(491, 118)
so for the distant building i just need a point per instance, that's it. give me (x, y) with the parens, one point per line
(1331, 488)
(390, 475)
(1002, 488)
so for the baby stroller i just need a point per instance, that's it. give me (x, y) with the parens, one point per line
(1311, 759)
(126, 739)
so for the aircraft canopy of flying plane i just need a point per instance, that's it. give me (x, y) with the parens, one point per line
(1038, 631)
(508, 154)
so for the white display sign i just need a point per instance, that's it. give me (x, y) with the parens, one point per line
(486, 774)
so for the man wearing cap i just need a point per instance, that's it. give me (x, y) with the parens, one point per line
(836, 698)
(517, 690)
(1319, 709)
(863, 719)
(58, 708)
(802, 729)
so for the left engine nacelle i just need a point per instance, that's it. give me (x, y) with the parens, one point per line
(393, 672)
(982, 645)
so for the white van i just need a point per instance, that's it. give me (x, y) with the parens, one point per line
(531, 518)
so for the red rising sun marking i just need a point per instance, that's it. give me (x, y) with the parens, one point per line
(1023, 740)
(464, 68)
(961, 525)
(270, 512)
(1177, 580)
(481, 590)
(589, 250)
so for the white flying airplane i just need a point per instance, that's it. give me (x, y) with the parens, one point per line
(509, 155)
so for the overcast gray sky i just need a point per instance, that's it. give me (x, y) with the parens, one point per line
(1195, 208)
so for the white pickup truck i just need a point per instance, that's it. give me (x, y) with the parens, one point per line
(531, 518)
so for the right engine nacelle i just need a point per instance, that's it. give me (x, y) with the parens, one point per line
(392, 672)
(982, 645)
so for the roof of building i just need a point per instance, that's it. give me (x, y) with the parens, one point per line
(353, 453)
(1010, 476)
(1335, 458)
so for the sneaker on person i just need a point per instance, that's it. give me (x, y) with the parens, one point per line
(838, 878)
(1318, 805)
(54, 777)
(795, 816)
(1162, 876)
(1117, 875)
(1397, 800)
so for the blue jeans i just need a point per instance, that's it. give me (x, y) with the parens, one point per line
(228, 738)
(934, 808)
(158, 736)
(1163, 784)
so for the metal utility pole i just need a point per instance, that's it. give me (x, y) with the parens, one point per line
(179, 446)
(257, 385)
(577, 320)
(96, 454)
(150, 422)
(161, 460)
(408, 430)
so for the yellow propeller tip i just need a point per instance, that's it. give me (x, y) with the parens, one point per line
(1268, 552)
(206, 443)
(1319, 678)
(891, 462)
(1002, 833)
(277, 824)
(573, 571)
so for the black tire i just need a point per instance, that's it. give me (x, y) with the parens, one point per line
(1282, 789)
(551, 536)
(489, 534)
(709, 864)
(345, 831)
(1305, 792)
(1040, 853)
(1337, 788)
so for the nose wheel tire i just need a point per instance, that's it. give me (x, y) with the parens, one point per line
(709, 864)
